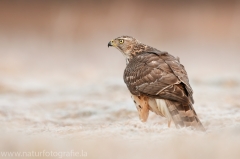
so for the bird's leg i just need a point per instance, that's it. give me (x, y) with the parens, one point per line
(142, 107)
(169, 123)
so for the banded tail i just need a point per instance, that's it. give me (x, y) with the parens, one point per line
(184, 115)
(181, 115)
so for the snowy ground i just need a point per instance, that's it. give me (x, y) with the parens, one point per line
(49, 111)
(61, 88)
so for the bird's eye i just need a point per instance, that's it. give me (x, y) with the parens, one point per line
(121, 41)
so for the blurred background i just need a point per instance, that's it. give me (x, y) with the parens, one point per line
(58, 78)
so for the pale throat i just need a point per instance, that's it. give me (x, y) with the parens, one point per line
(128, 57)
(127, 54)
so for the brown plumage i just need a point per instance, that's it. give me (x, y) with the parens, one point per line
(157, 82)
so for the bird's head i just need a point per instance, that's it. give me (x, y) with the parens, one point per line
(125, 44)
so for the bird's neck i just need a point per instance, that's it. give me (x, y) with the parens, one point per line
(137, 49)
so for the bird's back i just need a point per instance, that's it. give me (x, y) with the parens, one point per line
(160, 76)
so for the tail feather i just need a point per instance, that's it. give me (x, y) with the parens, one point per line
(184, 115)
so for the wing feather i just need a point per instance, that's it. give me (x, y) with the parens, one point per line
(179, 70)
(161, 76)
(153, 75)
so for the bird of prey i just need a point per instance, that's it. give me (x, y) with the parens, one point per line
(158, 82)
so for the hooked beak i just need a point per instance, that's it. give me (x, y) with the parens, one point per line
(110, 43)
